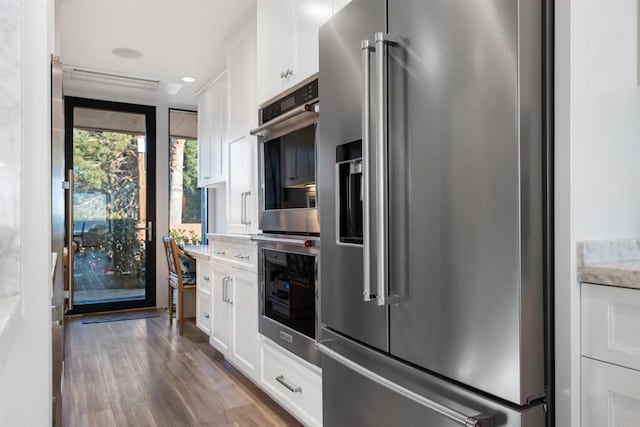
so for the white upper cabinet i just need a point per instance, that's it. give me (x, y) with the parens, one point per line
(288, 42)
(212, 123)
(276, 46)
(241, 147)
(241, 81)
(242, 185)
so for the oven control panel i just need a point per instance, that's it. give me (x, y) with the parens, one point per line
(305, 94)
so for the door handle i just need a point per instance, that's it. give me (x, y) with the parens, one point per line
(367, 49)
(229, 299)
(70, 250)
(244, 202)
(240, 256)
(381, 253)
(148, 230)
(478, 419)
(224, 288)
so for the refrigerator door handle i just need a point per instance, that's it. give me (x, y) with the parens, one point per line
(381, 254)
(367, 49)
(70, 248)
(476, 420)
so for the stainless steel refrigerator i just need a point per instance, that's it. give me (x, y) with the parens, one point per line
(431, 172)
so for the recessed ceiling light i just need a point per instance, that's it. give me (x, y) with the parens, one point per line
(188, 79)
(125, 52)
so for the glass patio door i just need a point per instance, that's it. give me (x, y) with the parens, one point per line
(110, 206)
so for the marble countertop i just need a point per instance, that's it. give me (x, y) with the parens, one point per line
(198, 251)
(611, 263)
(234, 238)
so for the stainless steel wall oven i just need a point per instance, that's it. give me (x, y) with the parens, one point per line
(289, 286)
(287, 161)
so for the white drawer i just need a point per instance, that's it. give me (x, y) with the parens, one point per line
(611, 324)
(203, 311)
(204, 277)
(295, 386)
(239, 255)
(610, 395)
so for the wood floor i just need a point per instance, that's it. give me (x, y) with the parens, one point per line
(142, 373)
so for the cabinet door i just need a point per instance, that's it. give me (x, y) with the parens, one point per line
(276, 46)
(244, 309)
(610, 395)
(204, 141)
(309, 15)
(241, 82)
(221, 324)
(218, 93)
(241, 188)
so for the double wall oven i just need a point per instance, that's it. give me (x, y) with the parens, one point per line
(289, 249)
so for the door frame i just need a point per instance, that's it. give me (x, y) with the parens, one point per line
(149, 112)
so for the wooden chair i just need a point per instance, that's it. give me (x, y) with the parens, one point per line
(178, 279)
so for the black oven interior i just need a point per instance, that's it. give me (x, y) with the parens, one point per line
(290, 289)
(290, 170)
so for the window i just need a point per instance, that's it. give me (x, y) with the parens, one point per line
(187, 202)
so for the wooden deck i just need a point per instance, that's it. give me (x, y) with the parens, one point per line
(142, 373)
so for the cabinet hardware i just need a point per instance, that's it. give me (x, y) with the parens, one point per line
(290, 387)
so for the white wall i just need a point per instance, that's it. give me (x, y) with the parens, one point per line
(25, 371)
(597, 158)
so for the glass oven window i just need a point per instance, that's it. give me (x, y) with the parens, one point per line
(290, 290)
(290, 170)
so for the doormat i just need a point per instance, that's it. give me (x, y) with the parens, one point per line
(118, 317)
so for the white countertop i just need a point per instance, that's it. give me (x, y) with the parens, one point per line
(234, 238)
(624, 274)
(198, 251)
(610, 262)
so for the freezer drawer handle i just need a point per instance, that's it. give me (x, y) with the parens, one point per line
(291, 388)
(477, 420)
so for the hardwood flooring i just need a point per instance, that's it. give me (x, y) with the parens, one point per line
(143, 373)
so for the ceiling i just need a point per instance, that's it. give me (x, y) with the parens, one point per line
(178, 38)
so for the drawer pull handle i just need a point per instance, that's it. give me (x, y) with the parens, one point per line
(240, 256)
(219, 252)
(205, 277)
(291, 388)
(205, 315)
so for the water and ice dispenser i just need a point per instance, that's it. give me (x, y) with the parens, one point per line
(349, 200)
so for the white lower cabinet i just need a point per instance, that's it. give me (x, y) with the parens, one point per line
(610, 395)
(293, 382)
(610, 347)
(220, 336)
(234, 300)
(244, 321)
(203, 296)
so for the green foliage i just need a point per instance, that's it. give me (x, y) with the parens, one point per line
(191, 213)
(107, 163)
(185, 237)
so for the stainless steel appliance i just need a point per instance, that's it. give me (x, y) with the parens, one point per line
(288, 275)
(57, 239)
(431, 172)
(287, 161)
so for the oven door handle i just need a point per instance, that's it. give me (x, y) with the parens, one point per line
(263, 130)
(293, 242)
